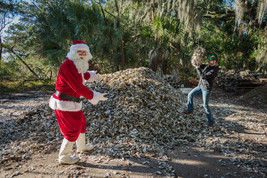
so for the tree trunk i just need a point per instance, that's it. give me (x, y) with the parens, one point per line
(99, 2)
(164, 58)
(153, 10)
(110, 37)
(153, 57)
(119, 26)
(1, 48)
(164, 66)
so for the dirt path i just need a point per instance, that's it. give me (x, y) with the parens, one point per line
(239, 153)
(14, 105)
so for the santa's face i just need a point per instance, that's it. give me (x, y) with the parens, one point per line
(82, 53)
(80, 59)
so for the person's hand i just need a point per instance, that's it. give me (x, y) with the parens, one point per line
(98, 97)
(195, 65)
(93, 76)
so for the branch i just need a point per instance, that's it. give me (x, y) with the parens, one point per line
(12, 51)
(213, 15)
(4, 23)
(110, 13)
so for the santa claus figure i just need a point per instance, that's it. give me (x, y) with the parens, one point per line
(66, 101)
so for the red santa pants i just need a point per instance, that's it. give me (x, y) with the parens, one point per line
(71, 124)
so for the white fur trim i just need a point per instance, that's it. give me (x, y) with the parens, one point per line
(83, 79)
(79, 47)
(64, 105)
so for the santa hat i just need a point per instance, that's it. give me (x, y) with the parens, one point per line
(80, 45)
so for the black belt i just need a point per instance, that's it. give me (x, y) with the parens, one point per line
(67, 97)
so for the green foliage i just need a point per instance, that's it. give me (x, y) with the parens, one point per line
(47, 29)
(236, 51)
(13, 81)
(62, 22)
(8, 69)
(22, 85)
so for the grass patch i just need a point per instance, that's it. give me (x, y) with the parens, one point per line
(23, 85)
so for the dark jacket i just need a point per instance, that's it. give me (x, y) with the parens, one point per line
(207, 75)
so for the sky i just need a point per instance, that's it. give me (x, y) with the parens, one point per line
(14, 21)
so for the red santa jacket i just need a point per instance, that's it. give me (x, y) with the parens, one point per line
(70, 82)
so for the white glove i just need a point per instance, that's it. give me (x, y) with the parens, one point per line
(93, 76)
(98, 97)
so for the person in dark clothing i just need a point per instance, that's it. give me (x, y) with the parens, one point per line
(207, 74)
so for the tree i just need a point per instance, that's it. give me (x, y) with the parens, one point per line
(197, 17)
(8, 10)
(122, 34)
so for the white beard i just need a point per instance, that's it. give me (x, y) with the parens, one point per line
(81, 65)
(81, 62)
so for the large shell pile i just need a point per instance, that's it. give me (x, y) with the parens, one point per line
(172, 81)
(198, 56)
(142, 115)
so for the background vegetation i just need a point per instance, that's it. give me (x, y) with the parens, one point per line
(160, 34)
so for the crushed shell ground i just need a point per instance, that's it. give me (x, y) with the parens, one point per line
(139, 132)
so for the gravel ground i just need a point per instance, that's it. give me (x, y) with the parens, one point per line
(239, 152)
(14, 105)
